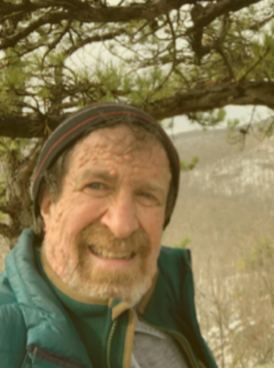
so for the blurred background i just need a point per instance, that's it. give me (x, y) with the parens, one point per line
(204, 70)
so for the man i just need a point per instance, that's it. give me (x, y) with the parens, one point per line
(97, 290)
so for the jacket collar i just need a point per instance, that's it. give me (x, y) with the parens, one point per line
(45, 319)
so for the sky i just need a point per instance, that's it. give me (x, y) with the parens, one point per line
(97, 52)
(91, 54)
(243, 113)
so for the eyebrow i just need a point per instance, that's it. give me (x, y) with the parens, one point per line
(151, 185)
(97, 173)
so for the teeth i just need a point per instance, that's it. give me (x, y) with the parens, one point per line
(103, 253)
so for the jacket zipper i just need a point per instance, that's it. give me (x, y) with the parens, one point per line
(180, 339)
(53, 358)
(110, 337)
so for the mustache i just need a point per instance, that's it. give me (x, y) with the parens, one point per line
(99, 235)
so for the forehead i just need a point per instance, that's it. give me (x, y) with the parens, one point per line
(122, 144)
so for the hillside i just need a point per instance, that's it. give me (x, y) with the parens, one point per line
(225, 203)
(225, 207)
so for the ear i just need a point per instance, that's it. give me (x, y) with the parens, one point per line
(45, 203)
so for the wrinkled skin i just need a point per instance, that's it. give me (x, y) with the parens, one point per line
(103, 234)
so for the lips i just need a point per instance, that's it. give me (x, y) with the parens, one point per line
(106, 254)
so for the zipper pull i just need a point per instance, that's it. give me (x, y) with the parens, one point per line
(110, 337)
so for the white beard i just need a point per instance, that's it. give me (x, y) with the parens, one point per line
(80, 273)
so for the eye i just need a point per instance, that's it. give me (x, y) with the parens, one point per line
(96, 186)
(146, 195)
(97, 189)
(147, 199)
(150, 197)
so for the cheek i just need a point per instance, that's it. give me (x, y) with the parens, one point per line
(152, 224)
(80, 215)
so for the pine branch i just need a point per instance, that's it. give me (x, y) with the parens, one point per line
(190, 101)
(78, 11)
(205, 15)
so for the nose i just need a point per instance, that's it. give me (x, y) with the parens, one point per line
(120, 217)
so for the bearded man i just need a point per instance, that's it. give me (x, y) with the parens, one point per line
(96, 289)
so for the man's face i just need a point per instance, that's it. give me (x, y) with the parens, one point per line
(103, 234)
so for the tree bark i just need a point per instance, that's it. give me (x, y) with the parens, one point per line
(87, 13)
(208, 98)
(194, 100)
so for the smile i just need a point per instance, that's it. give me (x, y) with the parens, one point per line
(106, 254)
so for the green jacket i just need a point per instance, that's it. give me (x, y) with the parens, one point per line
(35, 330)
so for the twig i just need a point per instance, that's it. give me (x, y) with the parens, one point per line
(255, 65)
(173, 58)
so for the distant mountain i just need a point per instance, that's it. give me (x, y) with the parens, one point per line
(226, 203)
(248, 175)
(211, 145)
